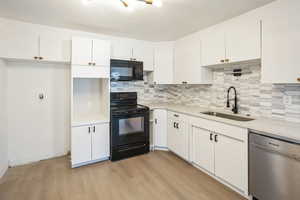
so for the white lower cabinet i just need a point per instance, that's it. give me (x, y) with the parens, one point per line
(222, 152)
(178, 135)
(203, 149)
(160, 129)
(230, 160)
(89, 144)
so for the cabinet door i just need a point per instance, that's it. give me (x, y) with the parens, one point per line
(213, 46)
(144, 51)
(203, 149)
(280, 56)
(122, 49)
(55, 46)
(243, 39)
(81, 145)
(81, 51)
(182, 143)
(164, 63)
(101, 53)
(18, 42)
(100, 141)
(231, 161)
(188, 61)
(160, 128)
(172, 134)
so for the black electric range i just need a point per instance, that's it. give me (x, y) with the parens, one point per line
(129, 126)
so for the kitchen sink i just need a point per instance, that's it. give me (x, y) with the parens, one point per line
(228, 116)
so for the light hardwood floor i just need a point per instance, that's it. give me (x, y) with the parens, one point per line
(155, 176)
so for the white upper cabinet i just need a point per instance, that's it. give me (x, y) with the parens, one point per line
(164, 63)
(55, 46)
(18, 42)
(280, 56)
(27, 42)
(232, 41)
(101, 52)
(213, 46)
(82, 51)
(90, 52)
(122, 49)
(127, 49)
(243, 39)
(188, 67)
(144, 51)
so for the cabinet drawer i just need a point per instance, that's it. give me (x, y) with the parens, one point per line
(177, 116)
(220, 128)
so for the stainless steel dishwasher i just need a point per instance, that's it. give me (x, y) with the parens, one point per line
(274, 168)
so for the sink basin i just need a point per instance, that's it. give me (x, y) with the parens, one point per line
(227, 116)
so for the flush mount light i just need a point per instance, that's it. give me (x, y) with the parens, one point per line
(157, 3)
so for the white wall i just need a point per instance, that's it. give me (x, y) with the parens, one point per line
(3, 122)
(38, 129)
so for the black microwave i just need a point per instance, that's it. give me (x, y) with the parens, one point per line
(126, 70)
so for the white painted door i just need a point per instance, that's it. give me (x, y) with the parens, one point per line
(81, 51)
(164, 63)
(178, 136)
(81, 144)
(101, 53)
(18, 41)
(172, 134)
(55, 46)
(280, 56)
(122, 49)
(243, 39)
(230, 161)
(203, 149)
(144, 51)
(182, 148)
(160, 128)
(100, 141)
(213, 46)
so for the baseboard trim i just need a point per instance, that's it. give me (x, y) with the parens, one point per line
(3, 171)
(89, 162)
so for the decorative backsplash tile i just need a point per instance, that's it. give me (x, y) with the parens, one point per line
(255, 98)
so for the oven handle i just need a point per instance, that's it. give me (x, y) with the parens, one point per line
(131, 148)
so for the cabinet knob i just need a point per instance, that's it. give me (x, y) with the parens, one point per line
(94, 64)
(222, 61)
(35, 57)
(41, 58)
(90, 63)
(298, 79)
(226, 60)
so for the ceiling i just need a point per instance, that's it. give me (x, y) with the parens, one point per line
(174, 19)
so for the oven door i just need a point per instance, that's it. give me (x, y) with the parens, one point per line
(130, 129)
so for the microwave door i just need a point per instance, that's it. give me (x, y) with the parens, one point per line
(122, 72)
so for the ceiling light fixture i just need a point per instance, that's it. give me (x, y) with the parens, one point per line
(156, 3)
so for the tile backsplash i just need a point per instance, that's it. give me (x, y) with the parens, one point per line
(254, 98)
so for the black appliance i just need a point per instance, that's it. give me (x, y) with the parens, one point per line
(126, 70)
(129, 126)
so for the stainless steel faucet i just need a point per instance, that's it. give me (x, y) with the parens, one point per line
(235, 107)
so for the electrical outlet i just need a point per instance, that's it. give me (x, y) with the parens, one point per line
(287, 100)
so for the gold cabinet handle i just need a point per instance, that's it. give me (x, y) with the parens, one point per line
(222, 61)
(226, 60)
(298, 79)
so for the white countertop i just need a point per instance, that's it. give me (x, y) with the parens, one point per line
(272, 127)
